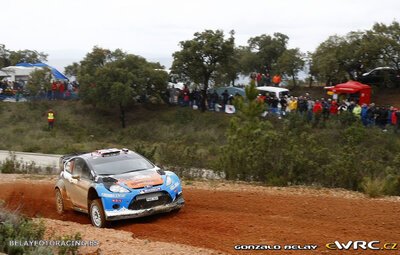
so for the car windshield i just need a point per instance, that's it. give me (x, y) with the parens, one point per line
(120, 164)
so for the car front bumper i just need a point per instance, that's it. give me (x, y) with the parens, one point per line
(125, 213)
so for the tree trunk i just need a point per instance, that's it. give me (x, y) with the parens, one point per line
(310, 81)
(122, 116)
(204, 94)
(203, 98)
(294, 80)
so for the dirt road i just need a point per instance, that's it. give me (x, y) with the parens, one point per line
(219, 216)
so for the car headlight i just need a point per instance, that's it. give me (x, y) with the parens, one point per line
(168, 180)
(118, 189)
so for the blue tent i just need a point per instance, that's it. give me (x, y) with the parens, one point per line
(57, 74)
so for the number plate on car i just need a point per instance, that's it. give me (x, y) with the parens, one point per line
(149, 199)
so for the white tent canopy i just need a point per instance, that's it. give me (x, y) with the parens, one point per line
(15, 73)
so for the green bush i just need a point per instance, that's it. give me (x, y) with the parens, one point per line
(147, 152)
(12, 165)
(175, 154)
(14, 227)
(69, 250)
(373, 187)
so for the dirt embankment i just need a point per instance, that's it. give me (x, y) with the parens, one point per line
(219, 216)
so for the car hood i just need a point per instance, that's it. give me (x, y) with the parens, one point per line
(140, 179)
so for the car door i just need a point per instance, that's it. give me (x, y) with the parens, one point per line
(69, 182)
(80, 185)
(376, 77)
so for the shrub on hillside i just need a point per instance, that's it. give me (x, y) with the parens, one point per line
(14, 227)
(373, 187)
(12, 165)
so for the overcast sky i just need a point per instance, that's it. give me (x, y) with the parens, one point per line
(68, 29)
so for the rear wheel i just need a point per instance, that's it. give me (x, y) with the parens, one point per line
(59, 202)
(96, 213)
(390, 84)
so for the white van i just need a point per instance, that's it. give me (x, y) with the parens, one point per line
(273, 91)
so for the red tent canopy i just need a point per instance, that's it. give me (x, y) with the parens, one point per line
(352, 87)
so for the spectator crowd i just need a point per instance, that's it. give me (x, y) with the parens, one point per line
(57, 90)
(314, 111)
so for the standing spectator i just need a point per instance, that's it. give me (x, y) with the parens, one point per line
(292, 105)
(191, 98)
(284, 104)
(172, 93)
(267, 79)
(334, 109)
(326, 105)
(185, 94)
(381, 117)
(274, 105)
(50, 118)
(371, 115)
(357, 110)
(214, 100)
(276, 80)
(397, 118)
(61, 90)
(364, 117)
(180, 98)
(342, 107)
(264, 80)
(302, 105)
(262, 98)
(53, 90)
(258, 79)
(390, 114)
(197, 97)
(317, 111)
(351, 106)
(225, 98)
(310, 107)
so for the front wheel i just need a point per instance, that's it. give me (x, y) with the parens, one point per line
(96, 214)
(59, 202)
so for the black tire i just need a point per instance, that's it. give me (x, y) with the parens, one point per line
(96, 214)
(390, 84)
(60, 205)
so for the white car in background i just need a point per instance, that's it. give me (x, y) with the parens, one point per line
(273, 91)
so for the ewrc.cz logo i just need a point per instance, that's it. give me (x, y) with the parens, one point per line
(355, 245)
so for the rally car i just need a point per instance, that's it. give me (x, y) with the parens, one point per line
(114, 184)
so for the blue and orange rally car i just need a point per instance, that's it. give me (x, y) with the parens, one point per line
(113, 184)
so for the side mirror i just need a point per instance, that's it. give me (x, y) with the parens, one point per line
(75, 176)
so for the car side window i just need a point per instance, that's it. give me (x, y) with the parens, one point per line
(69, 166)
(81, 168)
(374, 73)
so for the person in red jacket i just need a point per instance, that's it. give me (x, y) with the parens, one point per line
(393, 116)
(276, 80)
(53, 90)
(61, 89)
(317, 111)
(334, 108)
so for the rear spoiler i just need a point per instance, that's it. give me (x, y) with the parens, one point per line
(65, 158)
